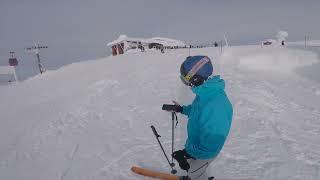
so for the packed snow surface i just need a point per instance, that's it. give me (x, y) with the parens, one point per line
(91, 120)
(308, 43)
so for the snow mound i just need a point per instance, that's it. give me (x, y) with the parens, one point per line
(275, 60)
(315, 43)
(282, 35)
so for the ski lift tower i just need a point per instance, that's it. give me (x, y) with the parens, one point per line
(36, 49)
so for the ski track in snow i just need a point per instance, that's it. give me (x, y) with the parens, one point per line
(101, 127)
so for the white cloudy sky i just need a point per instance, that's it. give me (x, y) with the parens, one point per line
(80, 29)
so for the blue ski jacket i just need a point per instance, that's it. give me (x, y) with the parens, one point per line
(209, 119)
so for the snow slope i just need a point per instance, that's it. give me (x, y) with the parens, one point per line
(315, 43)
(91, 120)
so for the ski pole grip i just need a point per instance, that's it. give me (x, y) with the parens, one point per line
(168, 107)
(155, 131)
(172, 108)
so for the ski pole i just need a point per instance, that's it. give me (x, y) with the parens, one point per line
(174, 115)
(173, 171)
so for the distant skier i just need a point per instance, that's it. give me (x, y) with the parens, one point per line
(162, 49)
(209, 117)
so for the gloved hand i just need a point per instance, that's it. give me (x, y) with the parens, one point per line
(172, 108)
(181, 156)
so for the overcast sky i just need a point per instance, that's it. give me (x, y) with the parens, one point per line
(80, 29)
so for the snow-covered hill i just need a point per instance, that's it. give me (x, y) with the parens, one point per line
(308, 43)
(91, 120)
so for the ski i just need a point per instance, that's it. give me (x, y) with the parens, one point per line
(153, 174)
(164, 176)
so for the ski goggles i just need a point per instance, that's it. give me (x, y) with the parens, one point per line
(184, 81)
(183, 77)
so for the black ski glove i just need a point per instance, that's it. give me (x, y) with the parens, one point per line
(181, 156)
(172, 108)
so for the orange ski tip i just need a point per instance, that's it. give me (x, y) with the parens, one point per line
(135, 168)
(153, 174)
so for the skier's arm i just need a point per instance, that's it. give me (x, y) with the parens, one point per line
(192, 149)
(186, 110)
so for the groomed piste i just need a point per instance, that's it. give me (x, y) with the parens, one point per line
(91, 120)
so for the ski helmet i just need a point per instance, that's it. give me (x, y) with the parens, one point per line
(195, 70)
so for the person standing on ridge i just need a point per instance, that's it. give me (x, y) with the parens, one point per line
(209, 117)
(162, 49)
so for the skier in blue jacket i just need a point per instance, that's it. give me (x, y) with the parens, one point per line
(209, 117)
